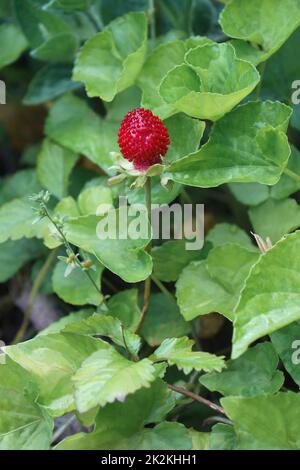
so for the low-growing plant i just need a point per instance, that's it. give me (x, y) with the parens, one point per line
(149, 341)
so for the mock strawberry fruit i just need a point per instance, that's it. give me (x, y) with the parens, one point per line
(143, 138)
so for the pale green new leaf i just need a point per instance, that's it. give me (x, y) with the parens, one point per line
(178, 351)
(211, 82)
(254, 373)
(214, 284)
(105, 325)
(247, 145)
(106, 376)
(157, 65)
(54, 166)
(271, 295)
(266, 422)
(110, 61)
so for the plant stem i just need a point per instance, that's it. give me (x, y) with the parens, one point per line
(261, 68)
(70, 249)
(152, 19)
(198, 398)
(147, 286)
(292, 175)
(163, 289)
(34, 291)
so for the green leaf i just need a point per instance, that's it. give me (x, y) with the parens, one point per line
(269, 29)
(214, 284)
(247, 145)
(105, 325)
(50, 81)
(286, 343)
(59, 325)
(163, 320)
(157, 65)
(110, 61)
(17, 221)
(125, 257)
(224, 233)
(20, 184)
(200, 440)
(65, 208)
(74, 125)
(269, 300)
(211, 83)
(171, 257)
(60, 48)
(110, 11)
(67, 288)
(106, 376)
(90, 198)
(115, 431)
(254, 373)
(14, 254)
(124, 306)
(13, 43)
(223, 437)
(24, 424)
(70, 5)
(54, 167)
(265, 422)
(178, 351)
(250, 194)
(281, 70)
(275, 218)
(52, 360)
(38, 25)
(286, 185)
(179, 127)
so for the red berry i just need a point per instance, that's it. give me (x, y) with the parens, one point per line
(143, 138)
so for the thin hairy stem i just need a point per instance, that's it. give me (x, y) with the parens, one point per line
(147, 285)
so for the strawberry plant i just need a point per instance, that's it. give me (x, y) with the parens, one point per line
(117, 333)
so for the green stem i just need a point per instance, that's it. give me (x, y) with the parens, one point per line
(152, 19)
(292, 175)
(34, 291)
(70, 249)
(147, 285)
(261, 69)
(163, 289)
